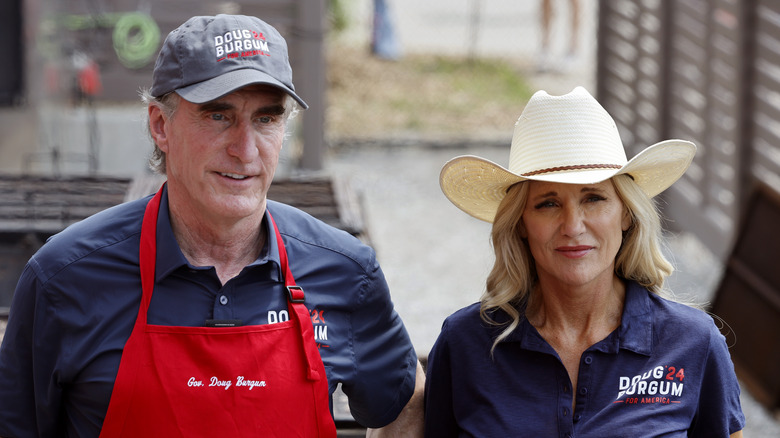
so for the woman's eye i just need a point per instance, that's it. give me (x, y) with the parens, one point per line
(545, 204)
(595, 198)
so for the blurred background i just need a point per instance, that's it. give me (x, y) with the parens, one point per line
(398, 87)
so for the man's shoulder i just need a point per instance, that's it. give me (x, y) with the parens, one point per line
(311, 232)
(89, 237)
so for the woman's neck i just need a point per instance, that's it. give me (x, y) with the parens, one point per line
(580, 310)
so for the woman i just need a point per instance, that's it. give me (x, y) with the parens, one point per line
(573, 336)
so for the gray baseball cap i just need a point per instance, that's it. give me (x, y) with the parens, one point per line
(208, 57)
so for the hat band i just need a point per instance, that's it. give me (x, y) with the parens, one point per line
(577, 167)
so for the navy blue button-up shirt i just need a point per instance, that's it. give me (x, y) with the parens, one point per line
(78, 298)
(665, 371)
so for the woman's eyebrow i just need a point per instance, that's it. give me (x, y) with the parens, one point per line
(553, 193)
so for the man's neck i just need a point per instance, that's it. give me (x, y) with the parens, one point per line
(229, 246)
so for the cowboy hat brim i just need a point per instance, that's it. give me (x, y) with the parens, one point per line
(477, 185)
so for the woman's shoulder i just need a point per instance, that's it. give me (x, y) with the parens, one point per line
(465, 316)
(678, 317)
(468, 325)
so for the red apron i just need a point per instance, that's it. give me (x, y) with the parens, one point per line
(263, 380)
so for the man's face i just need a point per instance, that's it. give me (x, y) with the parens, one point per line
(221, 155)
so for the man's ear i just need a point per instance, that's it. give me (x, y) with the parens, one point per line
(157, 127)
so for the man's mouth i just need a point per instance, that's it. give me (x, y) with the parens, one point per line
(233, 176)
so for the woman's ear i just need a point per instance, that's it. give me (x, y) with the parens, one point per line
(521, 228)
(157, 127)
(627, 219)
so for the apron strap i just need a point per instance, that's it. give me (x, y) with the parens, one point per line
(148, 254)
(300, 313)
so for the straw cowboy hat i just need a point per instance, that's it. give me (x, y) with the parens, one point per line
(566, 139)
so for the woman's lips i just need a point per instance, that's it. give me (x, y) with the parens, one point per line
(574, 252)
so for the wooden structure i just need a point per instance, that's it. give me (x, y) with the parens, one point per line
(709, 72)
(748, 299)
(33, 209)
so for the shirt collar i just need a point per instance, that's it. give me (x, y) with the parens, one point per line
(636, 326)
(170, 257)
(635, 332)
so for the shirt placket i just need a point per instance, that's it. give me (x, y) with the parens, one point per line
(565, 426)
(224, 302)
(583, 385)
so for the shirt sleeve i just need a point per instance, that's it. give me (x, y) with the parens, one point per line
(439, 413)
(385, 362)
(720, 411)
(29, 402)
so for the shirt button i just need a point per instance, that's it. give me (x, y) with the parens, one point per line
(583, 391)
(588, 360)
(223, 300)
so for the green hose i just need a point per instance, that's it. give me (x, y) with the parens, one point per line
(135, 37)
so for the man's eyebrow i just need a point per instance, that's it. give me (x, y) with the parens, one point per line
(273, 110)
(217, 106)
(214, 106)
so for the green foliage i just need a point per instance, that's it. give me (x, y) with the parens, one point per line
(337, 15)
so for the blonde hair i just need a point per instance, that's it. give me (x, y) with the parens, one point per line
(513, 276)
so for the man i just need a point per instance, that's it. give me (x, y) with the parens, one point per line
(195, 312)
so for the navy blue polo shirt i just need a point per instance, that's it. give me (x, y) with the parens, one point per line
(78, 298)
(666, 371)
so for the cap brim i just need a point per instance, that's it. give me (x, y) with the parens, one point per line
(477, 186)
(222, 85)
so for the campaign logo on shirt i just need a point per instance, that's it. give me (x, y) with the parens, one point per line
(320, 328)
(662, 384)
(318, 322)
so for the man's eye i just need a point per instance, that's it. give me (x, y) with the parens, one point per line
(217, 116)
(265, 119)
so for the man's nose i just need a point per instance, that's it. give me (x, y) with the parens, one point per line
(243, 142)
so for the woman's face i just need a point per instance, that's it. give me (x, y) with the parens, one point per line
(574, 231)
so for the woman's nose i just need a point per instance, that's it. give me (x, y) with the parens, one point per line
(573, 222)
